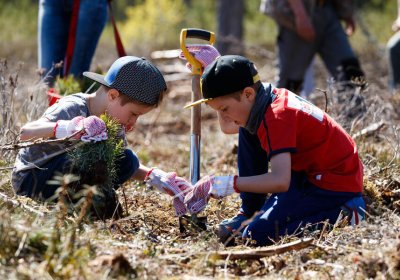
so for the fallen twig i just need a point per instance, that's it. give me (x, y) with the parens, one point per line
(369, 130)
(250, 254)
(263, 252)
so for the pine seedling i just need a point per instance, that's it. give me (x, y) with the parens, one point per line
(96, 165)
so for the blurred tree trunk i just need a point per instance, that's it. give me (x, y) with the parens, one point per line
(230, 15)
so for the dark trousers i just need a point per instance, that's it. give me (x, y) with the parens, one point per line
(41, 184)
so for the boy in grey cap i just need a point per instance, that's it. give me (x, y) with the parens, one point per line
(132, 87)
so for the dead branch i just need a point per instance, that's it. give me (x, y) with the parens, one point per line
(16, 203)
(369, 130)
(21, 145)
(325, 92)
(252, 254)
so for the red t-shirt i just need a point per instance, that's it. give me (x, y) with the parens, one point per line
(319, 146)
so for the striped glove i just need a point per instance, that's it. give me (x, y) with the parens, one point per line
(209, 186)
(170, 184)
(203, 53)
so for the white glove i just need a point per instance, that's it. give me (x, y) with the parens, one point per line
(65, 128)
(171, 184)
(222, 186)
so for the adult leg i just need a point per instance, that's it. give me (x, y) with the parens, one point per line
(303, 203)
(393, 47)
(294, 57)
(334, 46)
(309, 83)
(53, 25)
(91, 21)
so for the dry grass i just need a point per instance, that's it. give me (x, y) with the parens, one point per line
(147, 243)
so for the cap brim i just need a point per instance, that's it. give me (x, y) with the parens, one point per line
(96, 77)
(204, 100)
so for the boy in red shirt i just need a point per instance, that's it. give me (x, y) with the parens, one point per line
(315, 169)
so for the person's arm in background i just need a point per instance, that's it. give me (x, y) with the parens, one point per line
(396, 23)
(350, 24)
(303, 23)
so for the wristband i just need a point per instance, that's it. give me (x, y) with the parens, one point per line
(148, 173)
(54, 130)
(235, 188)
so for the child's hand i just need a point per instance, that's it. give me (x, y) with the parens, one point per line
(171, 184)
(95, 129)
(205, 54)
(168, 183)
(197, 199)
(208, 186)
(178, 202)
(91, 128)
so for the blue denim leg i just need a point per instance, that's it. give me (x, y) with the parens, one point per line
(53, 30)
(393, 47)
(285, 213)
(35, 184)
(252, 160)
(53, 25)
(92, 19)
(126, 167)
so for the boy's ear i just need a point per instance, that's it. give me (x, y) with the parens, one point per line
(249, 93)
(113, 94)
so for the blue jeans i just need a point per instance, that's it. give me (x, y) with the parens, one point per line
(53, 31)
(393, 47)
(36, 184)
(283, 213)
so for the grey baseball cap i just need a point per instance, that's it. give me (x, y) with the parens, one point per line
(135, 77)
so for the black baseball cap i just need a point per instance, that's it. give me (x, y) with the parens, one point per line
(226, 75)
(135, 77)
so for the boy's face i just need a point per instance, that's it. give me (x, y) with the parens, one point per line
(234, 110)
(128, 113)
